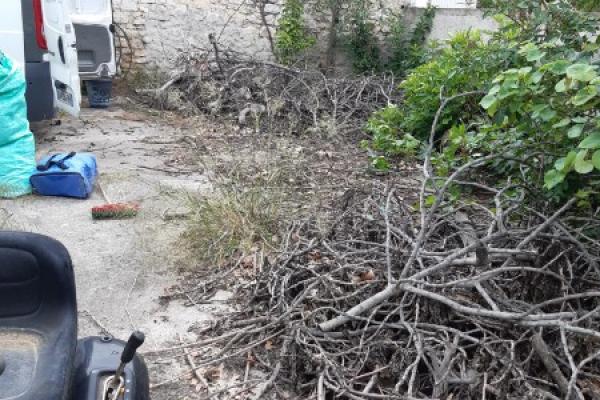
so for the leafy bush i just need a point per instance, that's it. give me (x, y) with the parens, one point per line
(551, 108)
(543, 21)
(466, 63)
(362, 43)
(407, 52)
(583, 5)
(542, 96)
(291, 38)
(383, 126)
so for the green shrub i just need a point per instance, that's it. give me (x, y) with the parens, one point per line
(543, 93)
(551, 106)
(408, 52)
(466, 63)
(362, 43)
(383, 126)
(583, 5)
(542, 110)
(292, 38)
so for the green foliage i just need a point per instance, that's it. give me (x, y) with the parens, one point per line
(466, 63)
(550, 106)
(543, 93)
(406, 52)
(362, 43)
(583, 5)
(292, 38)
(383, 126)
(588, 5)
(544, 21)
(541, 110)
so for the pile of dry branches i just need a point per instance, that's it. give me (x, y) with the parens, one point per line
(503, 305)
(448, 300)
(270, 97)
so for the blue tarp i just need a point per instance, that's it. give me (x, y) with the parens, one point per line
(17, 145)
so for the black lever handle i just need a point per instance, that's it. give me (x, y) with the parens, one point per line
(135, 341)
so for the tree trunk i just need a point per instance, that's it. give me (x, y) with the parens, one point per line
(330, 52)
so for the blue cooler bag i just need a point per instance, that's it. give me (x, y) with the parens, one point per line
(66, 175)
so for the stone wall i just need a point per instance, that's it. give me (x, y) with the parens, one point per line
(159, 30)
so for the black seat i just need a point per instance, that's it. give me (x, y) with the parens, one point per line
(38, 318)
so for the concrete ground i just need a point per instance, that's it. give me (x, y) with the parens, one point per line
(121, 267)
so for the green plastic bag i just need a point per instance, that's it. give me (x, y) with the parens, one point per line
(17, 145)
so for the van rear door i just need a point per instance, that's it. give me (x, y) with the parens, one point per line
(93, 21)
(62, 54)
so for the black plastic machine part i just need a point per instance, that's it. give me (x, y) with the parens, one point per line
(38, 318)
(97, 358)
(136, 339)
(42, 359)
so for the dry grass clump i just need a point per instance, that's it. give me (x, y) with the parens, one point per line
(236, 221)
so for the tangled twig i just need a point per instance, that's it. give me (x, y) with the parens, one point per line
(463, 300)
(280, 99)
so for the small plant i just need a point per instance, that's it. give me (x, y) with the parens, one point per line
(408, 52)
(292, 38)
(236, 221)
(386, 136)
(362, 43)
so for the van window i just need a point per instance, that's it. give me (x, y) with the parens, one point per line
(89, 6)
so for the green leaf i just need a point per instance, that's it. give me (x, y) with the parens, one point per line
(557, 67)
(380, 164)
(535, 55)
(547, 114)
(543, 112)
(566, 163)
(561, 86)
(575, 131)
(537, 77)
(582, 165)
(525, 70)
(596, 159)
(591, 142)
(553, 178)
(580, 120)
(582, 72)
(584, 95)
(430, 201)
(490, 103)
(494, 90)
(563, 123)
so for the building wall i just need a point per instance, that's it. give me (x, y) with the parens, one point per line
(158, 31)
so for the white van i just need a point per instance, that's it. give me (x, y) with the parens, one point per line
(39, 36)
(93, 22)
(44, 37)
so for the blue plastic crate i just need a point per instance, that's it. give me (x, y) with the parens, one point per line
(99, 93)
